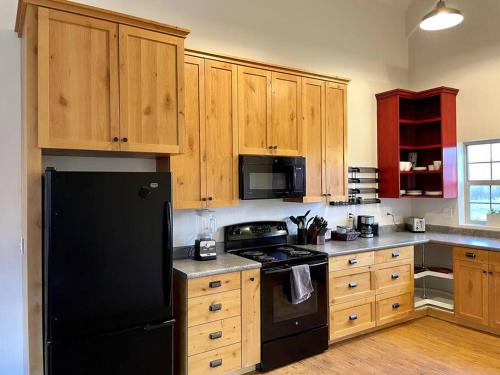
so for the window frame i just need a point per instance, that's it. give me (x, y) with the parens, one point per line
(469, 183)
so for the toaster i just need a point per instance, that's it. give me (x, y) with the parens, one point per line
(415, 224)
(204, 249)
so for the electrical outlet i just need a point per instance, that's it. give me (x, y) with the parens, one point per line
(448, 212)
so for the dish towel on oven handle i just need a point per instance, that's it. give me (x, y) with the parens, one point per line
(301, 286)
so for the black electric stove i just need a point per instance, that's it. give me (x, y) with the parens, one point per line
(289, 332)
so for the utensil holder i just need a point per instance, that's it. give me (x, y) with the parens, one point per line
(312, 236)
(302, 236)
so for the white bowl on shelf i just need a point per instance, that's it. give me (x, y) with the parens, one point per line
(414, 192)
(419, 168)
(433, 193)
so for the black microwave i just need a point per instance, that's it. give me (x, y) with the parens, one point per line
(268, 177)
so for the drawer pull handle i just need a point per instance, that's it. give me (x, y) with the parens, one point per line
(395, 254)
(470, 255)
(395, 305)
(214, 284)
(216, 363)
(215, 335)
(353, 261)
(353, 316)
(395, 276)
(215, 307)
(353, 284)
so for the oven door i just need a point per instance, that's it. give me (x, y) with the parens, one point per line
(282, 318)
(267, 177)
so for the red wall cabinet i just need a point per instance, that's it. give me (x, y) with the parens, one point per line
(417, 122)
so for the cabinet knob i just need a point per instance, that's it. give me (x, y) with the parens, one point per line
(353, 284)
(124, 139)
(353, 316)
(353, 261)
(395, 276)
(328, 194)
(396, 305)
(275, 147)
(210, 198)
(484, 271)
(203, 199)
(116, 139)
(252, 279)
(270, 147)
(395, 254)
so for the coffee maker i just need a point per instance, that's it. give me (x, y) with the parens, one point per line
(367, 226)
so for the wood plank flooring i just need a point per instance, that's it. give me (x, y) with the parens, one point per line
(425, 346)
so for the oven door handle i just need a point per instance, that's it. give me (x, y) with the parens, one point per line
(283, 270)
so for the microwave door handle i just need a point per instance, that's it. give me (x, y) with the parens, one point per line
(293, 177)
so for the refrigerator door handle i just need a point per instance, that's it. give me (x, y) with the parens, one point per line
(168, 263)
(152, 327)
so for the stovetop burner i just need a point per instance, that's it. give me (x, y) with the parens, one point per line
(252, 254)
(276, 254)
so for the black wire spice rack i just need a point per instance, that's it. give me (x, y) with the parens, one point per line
(358, 178)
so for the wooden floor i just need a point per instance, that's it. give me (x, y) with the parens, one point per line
(424, 346)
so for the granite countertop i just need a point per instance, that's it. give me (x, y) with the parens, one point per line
(396, 239)
(191, 269)
(225, 263)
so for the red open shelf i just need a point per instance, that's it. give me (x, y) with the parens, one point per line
(420, 172)
(420, 147)
(421, 123)
(418, 122)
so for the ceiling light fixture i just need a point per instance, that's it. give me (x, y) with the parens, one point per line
(441, 18)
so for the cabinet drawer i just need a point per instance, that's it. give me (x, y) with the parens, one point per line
(473, 255)
(389, 255)
(494, 258)
(213, 284)
(213, 307)
(389, 277)
(218, 361)
(351, 317)
(351, 261)
(214, 335)
(393, 307)
(350, 285)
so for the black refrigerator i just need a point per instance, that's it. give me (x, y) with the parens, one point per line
(107, 273)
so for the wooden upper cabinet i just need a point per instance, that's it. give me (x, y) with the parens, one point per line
(189, 169)
(151, 91)
(336, 142)
(313, 114)
(286, 115)
(254, 110)
(221, 133)
(471, 290)
(77, 82)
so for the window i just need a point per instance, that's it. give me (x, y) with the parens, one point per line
(482, 176)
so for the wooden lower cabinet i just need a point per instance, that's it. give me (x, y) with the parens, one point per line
(370, 289)
(477, 286)
(217, 323)
(352, 317)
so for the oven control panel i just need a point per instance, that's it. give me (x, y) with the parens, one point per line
(254, 230)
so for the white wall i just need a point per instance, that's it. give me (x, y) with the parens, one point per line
(466, 57)
(11, 307)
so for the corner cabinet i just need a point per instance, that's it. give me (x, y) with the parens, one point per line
(422, 124)
(205, 175)
(105, 86)
(325, 140)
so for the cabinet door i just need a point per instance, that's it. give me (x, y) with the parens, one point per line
(189, 169)
(77, 82)
(250, 317)
(254, 110)
(151, 91)
(494, 294)
(221, 133)
(313, 115)
(471, 291)
(286, 116)
(336, 142)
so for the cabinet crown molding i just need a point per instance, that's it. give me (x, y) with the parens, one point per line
(104, 14)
